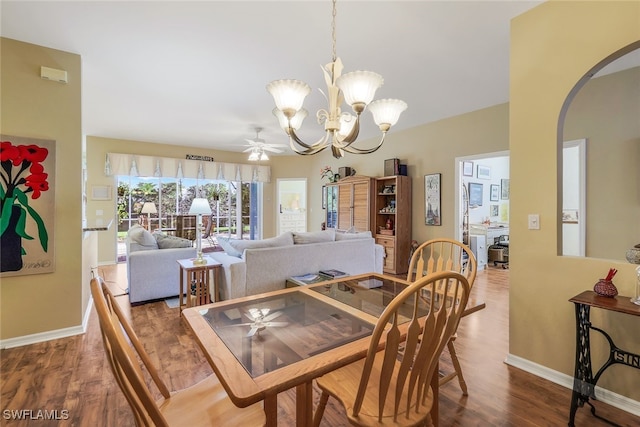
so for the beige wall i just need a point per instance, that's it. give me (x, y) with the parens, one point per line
(32, 107)
(552, 47)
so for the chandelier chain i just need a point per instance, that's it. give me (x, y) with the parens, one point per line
(333, 31)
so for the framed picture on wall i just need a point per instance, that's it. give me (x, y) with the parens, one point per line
(475, 194)
(432, 199)
(505, 189)
(484, 172)
(495, 193)
(467, 168)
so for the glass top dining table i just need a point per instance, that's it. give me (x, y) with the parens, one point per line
(261, 345)
(267, 333)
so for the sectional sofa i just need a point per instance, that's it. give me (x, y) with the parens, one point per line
(256, 266)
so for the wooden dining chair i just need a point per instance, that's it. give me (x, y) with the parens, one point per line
(445, 255)
(203, 404)
(392, 386)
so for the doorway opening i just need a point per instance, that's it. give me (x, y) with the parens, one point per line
(482, 204)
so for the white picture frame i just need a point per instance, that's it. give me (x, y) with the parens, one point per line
(483, 172)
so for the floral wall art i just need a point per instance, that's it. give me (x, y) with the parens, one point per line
(27, 198)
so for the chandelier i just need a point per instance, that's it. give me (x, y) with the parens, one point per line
(357, 88)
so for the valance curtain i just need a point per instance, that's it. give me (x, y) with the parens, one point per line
(138, 165)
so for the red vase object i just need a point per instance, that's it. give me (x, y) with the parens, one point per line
(605, 288)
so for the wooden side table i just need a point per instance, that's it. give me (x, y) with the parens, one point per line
(197, 276)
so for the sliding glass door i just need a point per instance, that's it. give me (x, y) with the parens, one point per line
(234, 205)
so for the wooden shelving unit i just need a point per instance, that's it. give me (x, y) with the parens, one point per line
(392, 226)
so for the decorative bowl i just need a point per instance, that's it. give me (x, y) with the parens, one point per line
(633, 254)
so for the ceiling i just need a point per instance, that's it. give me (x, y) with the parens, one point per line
(194, 73)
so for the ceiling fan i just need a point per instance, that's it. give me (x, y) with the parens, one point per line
(258, 146)
(260, 320)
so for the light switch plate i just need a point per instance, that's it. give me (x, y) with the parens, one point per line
(534, 222)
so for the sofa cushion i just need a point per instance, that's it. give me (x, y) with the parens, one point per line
(235, 247)
(165, 241)
(349, 236)
(140, 239)
(328, 235)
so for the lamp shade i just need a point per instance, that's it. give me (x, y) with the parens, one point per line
(387, 111)
(149, 208)
(200, 206)
(288, 94)
(359, 86)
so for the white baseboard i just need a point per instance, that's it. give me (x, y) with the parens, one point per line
(603, 395)
(49, 335)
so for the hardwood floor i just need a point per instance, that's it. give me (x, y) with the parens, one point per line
(72, 375)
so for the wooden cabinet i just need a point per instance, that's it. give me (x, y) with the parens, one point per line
(354, 203)
(392, 222)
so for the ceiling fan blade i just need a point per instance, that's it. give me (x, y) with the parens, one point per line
(252, 331)
(248, 149)
(251, 141)
(277, 145)
(272, 316)
(273, 150)
(270, 324)
(236, 324)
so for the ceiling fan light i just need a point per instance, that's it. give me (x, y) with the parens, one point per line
(288, 94)
(359, 87)
(264, 156)
(386, 112)
(254, 156)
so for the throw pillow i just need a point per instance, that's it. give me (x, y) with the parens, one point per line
(166, 242)
(139, 236)
(350, 236)
(328, 235)
(226, 246)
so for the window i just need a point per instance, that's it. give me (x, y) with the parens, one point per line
(234, 205)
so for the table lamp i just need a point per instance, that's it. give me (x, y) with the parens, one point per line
(149, 208)
(199, 207)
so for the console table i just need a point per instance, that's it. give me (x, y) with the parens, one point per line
(584, 382)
